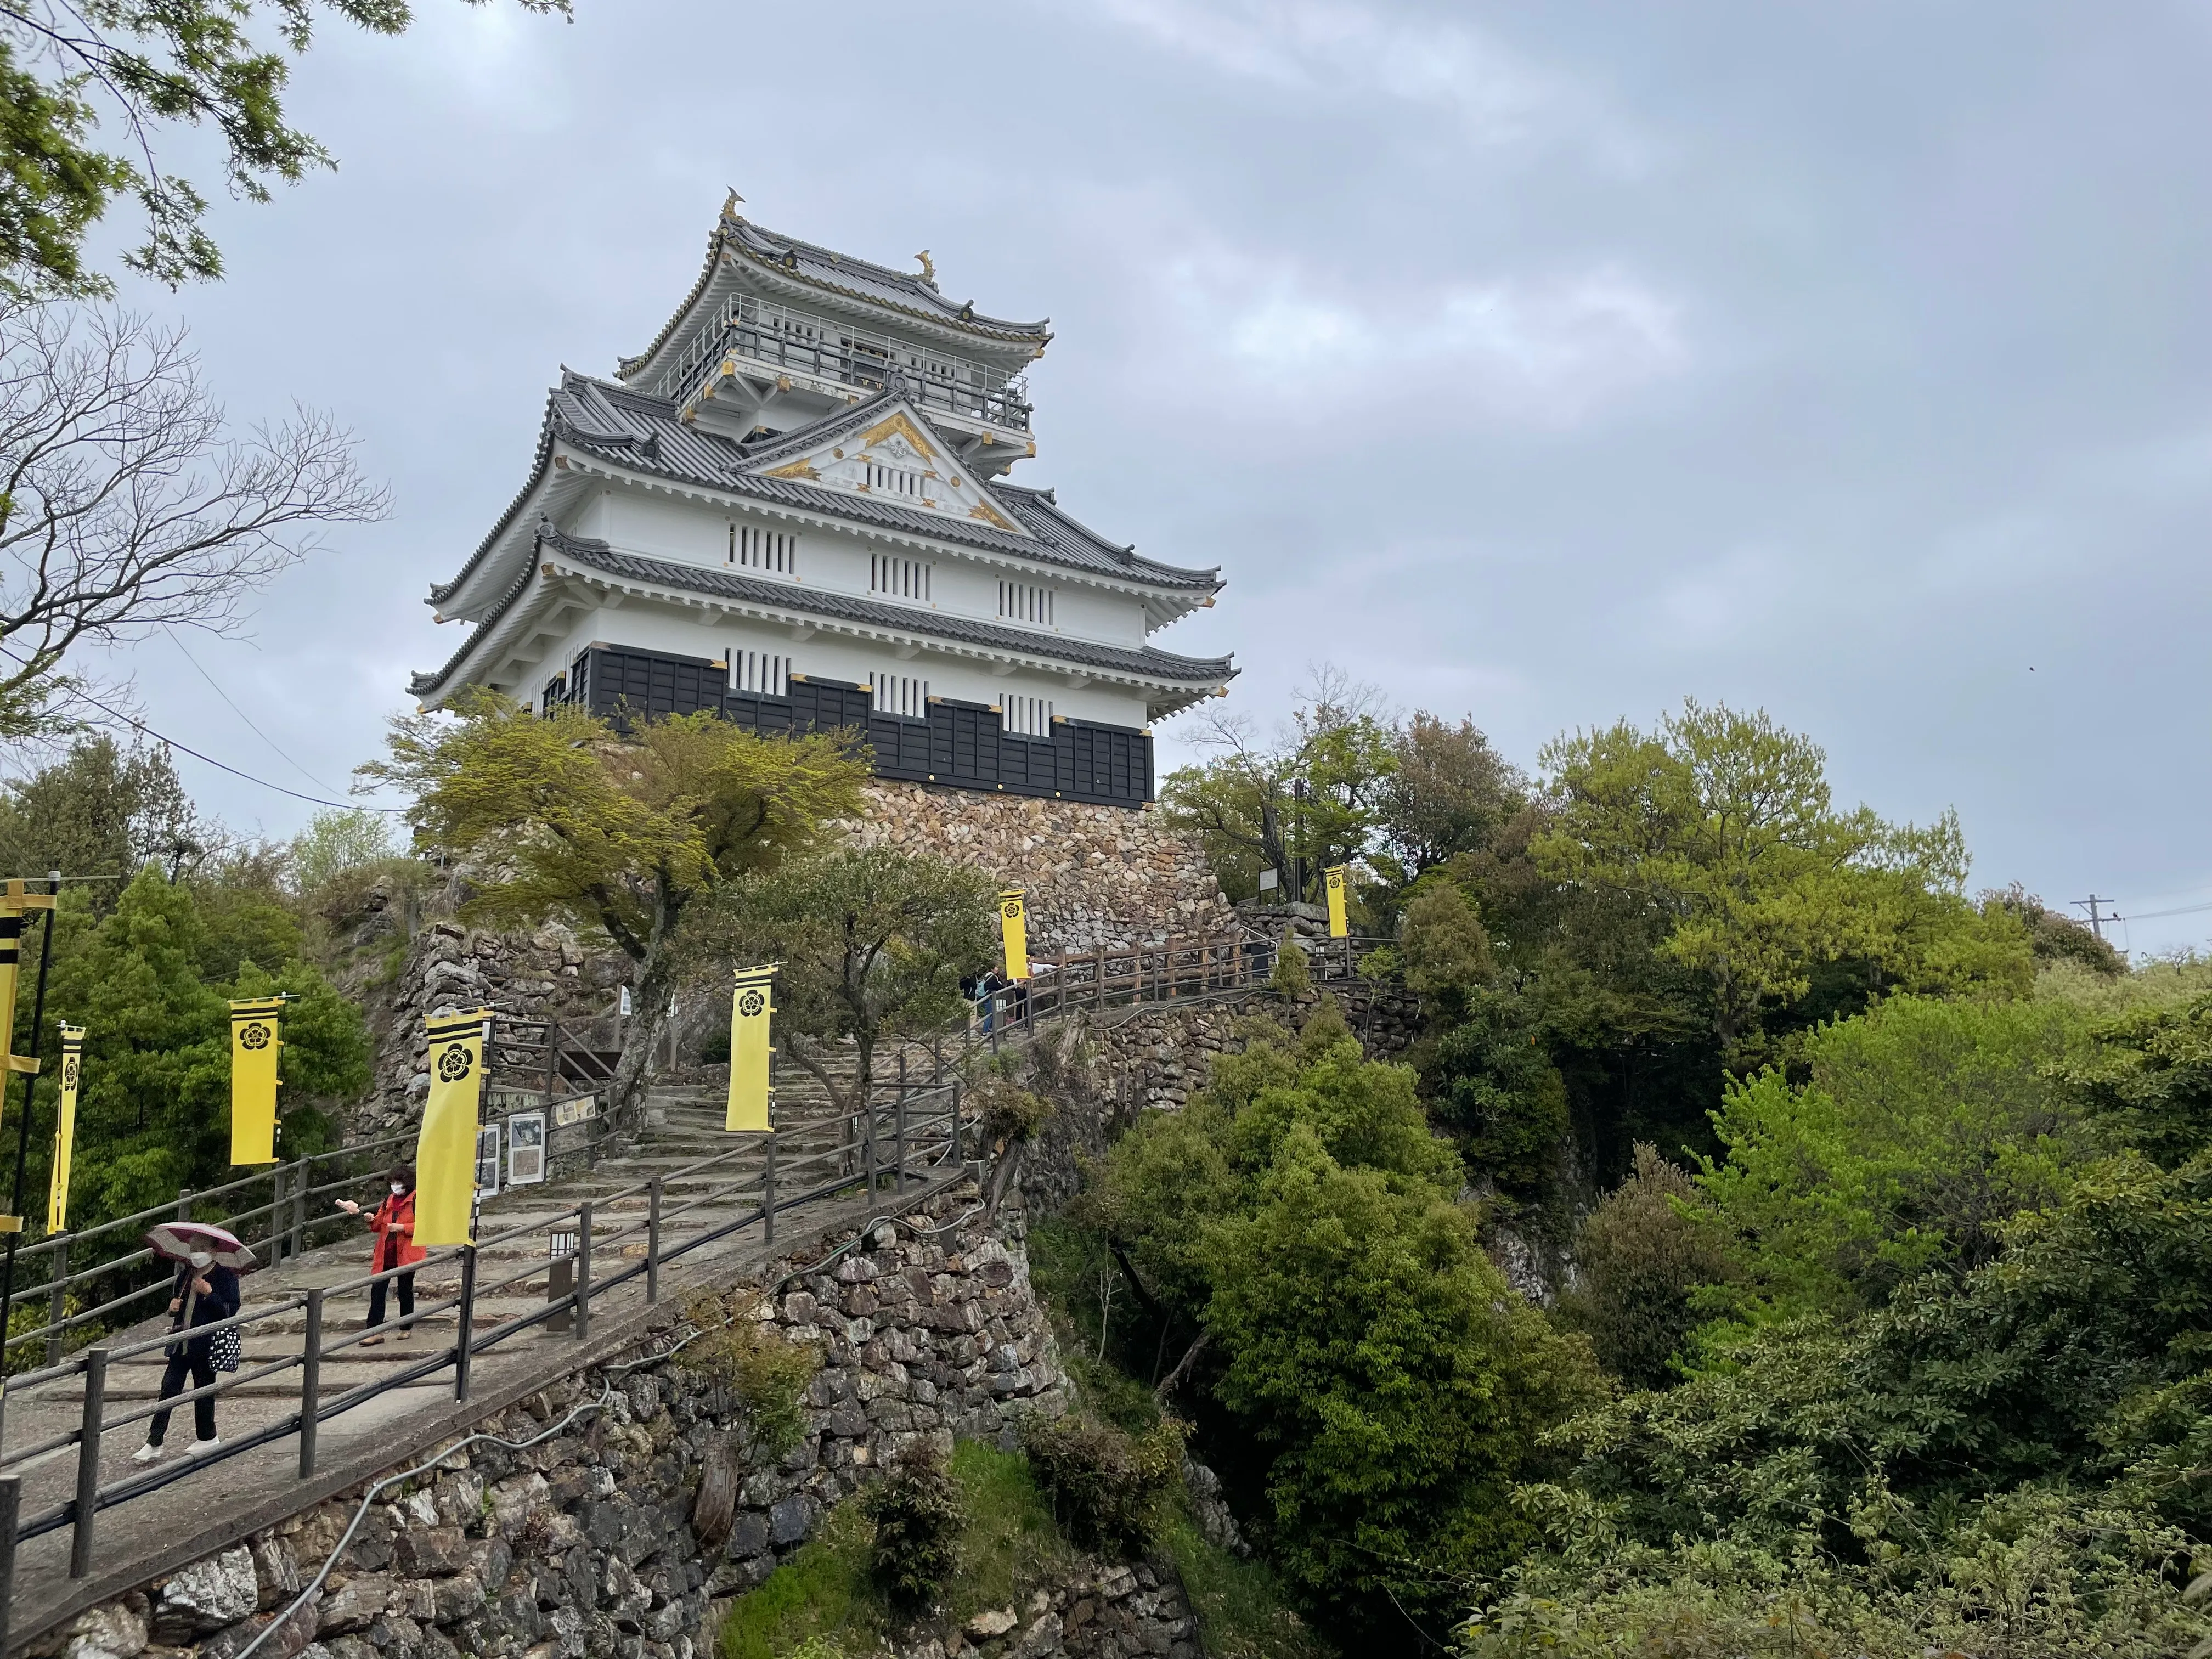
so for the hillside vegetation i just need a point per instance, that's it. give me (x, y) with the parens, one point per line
(1876, 1211)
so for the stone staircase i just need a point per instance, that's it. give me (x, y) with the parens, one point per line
(403, 1387)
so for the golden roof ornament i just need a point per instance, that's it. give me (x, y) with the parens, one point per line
(929, 268)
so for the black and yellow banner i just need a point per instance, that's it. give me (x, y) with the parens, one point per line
(1015, 921)
(253, 1049)
(751, 1007)
(65, 1130)
(17, 901)
(1333, 880)
(446, 1153)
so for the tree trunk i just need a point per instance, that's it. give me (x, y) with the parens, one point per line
(650, 986)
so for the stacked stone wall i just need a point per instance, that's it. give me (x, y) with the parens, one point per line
(584, 1543)
(1093, 875)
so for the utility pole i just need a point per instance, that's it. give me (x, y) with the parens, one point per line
(2097, 921)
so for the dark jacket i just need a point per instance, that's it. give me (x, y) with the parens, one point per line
(220, 1302)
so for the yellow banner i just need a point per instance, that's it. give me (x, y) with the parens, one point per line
(446, 1153)
(1332, 879)
(751, 1007)
(11, 954)
(1017, 933)
(65, 1130)
(253, 1051)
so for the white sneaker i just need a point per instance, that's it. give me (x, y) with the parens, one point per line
(202, 1448)
(149, 1453)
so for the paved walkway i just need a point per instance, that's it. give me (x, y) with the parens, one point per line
(174, 1512)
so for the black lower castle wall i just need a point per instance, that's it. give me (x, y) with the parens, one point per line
(963, 745)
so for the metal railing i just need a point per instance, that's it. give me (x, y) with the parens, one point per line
(883, 1146)
(912, 1131)
(770, 333)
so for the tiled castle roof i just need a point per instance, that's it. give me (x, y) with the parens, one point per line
(630, 429)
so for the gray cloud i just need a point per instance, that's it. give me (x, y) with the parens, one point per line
(1547, 365)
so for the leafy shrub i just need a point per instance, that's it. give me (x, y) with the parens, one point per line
(1008, 1112)
(1292, 981)
(714, 1047)
(1642, 1261)
(917, 1511)
(766, 1373)
(1109, 1488)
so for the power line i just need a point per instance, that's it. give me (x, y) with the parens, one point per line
(2179, 911)
(241, 714)
(224, 766)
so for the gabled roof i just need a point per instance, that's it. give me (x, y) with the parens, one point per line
(786, 600)
(641, 434)
(788, 265)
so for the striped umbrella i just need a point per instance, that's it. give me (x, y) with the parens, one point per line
(180, 1241)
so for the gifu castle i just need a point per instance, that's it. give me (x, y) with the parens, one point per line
(792, 507)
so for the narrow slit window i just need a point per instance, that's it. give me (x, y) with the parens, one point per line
(752, 547)
(1026, 717)
(903, 695)
(1028, 602)
(768, 673)
(902, 579)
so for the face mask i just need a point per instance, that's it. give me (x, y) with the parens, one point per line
(397, 1189)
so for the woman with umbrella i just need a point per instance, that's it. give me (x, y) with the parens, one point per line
(393, 1223)
(208, 1259)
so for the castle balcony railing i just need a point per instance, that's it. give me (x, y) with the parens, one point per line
(765, 333)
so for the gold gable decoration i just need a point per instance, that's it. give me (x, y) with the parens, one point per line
(990, 514)
(898, 421)
(801, 468)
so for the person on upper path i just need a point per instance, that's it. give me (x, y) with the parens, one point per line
(211, 1292)
(393, 1223)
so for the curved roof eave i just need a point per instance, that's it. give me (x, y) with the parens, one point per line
(939, 314)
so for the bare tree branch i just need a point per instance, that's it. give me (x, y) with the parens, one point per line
(125, 502)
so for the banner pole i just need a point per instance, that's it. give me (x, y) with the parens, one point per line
(23, 1128)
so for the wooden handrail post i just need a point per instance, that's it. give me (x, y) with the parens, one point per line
(302, 1181)
(56, 1310)
(898, 1171)
(90, 1427)
(583, 1269)
(184, 1204)
(310, 1382)
(652, 1241)
(956, 1158)
(868, 1141)
(767, 1193)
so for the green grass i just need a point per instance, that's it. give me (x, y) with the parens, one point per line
(1242, 1609)
(1009, 1546)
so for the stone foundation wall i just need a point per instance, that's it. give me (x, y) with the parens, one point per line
(546, 973)
(1160, 1056)
(584, 1543)
(1094, 875)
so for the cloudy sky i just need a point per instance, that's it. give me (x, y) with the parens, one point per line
(1543, 364)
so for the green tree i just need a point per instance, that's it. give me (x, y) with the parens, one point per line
(1924, 1127)
(1722, 824)
(1384, 1383)
(621, 834)
(1397, 1383)
(1448, 793)
(154, 1107)
(870, 942)
(102, 810)
(90, 89)
(1313, 793)
(1643, 1256)
(2149, 1079)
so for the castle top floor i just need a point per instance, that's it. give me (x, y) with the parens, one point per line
(778, 332)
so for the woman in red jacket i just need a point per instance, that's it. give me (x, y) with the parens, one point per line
(393, 1223)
